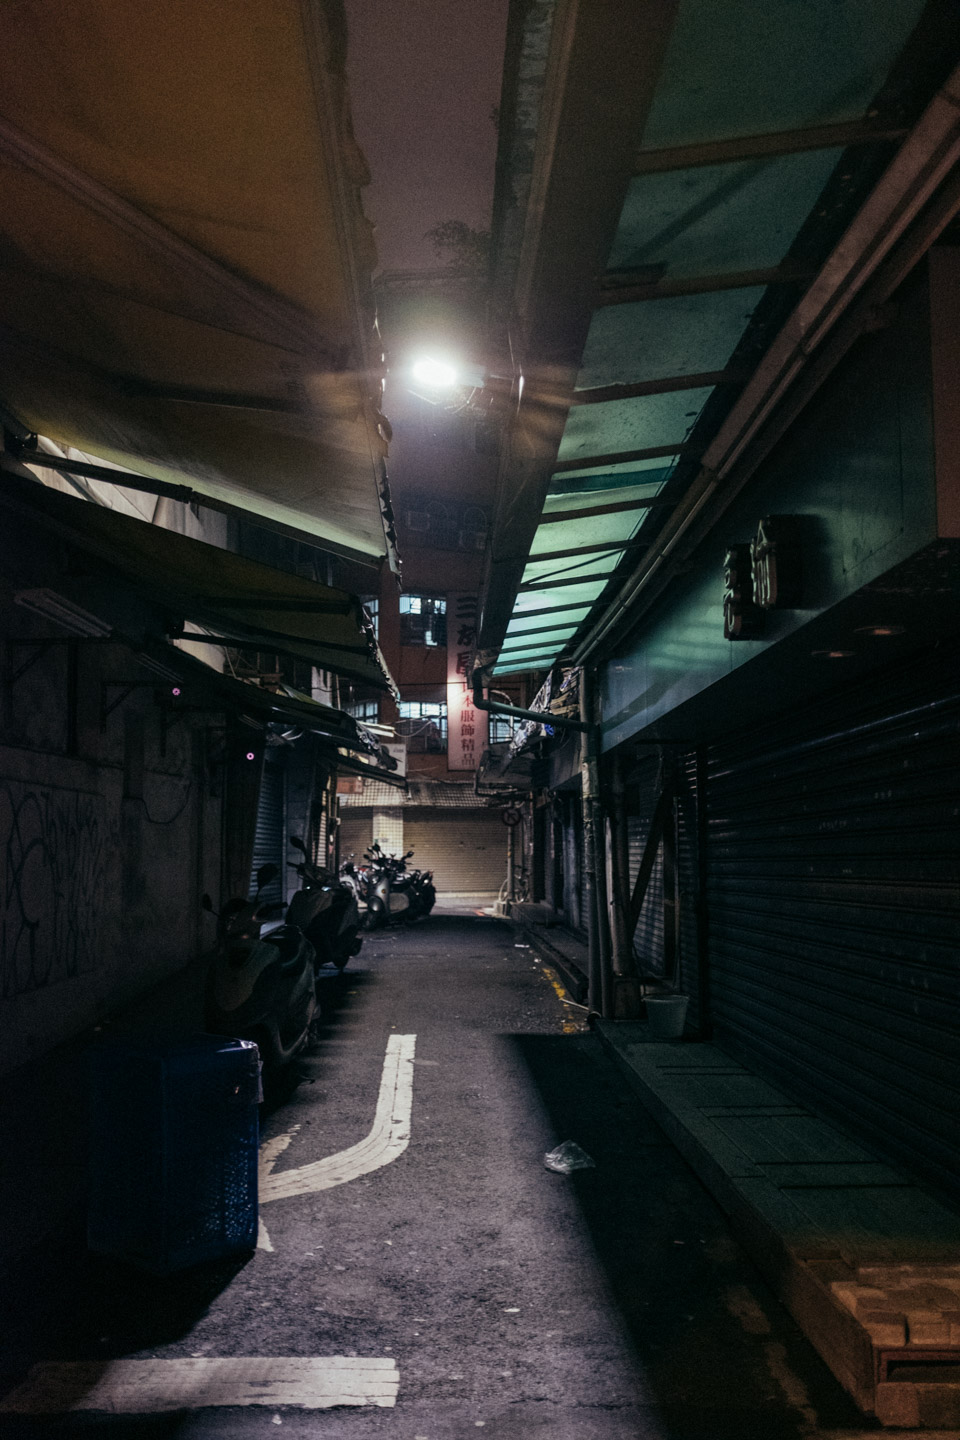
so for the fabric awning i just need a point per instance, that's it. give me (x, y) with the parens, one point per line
(350, 745)
(185, 261)
(235, 600)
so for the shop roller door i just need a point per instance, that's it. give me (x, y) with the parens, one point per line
(650, 936)
(270, 842)
(466, 850)
(356, 832)
(834, 912)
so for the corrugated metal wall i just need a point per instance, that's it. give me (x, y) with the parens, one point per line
(466, 849)
(834, 911)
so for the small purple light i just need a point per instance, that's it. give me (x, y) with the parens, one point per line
(251, 755)
(175, 690)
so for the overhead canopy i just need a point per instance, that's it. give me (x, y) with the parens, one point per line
(235, 600)
(732, 193)
(344, 735)
(184, 262)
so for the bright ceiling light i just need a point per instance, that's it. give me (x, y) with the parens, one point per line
(436, 374)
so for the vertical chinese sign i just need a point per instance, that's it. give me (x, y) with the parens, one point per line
(466, 725)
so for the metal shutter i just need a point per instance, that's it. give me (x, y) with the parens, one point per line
(648, 936)
(356, 832)
(688, 887)
(269, 845)
(834, 914)
(466, 850)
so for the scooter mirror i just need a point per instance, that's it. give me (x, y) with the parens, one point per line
(265, 874)
(298, 844)
(408, 855)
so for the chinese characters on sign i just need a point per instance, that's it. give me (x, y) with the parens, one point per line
(764, 574)
(466, 725)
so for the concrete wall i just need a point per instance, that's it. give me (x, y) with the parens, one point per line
(110, 822)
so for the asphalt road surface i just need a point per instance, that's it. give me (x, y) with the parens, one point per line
(496, 1296)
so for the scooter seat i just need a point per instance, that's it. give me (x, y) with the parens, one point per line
(288, 941)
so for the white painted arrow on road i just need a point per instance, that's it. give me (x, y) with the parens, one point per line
(387, 1140)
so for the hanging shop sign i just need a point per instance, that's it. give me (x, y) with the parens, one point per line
(760, 575)
(466, 725)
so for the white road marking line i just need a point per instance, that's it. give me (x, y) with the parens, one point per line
(387, 1140)
(146, 1387)
(263, 1239)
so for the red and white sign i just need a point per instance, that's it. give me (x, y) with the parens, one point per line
(466, 725)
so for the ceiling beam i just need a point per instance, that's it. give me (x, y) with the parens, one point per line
(559, 581)
(600, 394)
(621, 457)
(619, 289)
(648, 502)
(586, 605)
(762, 147)
(534, 658)
(522, 636)
(574, 550)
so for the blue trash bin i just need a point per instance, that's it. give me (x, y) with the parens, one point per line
(173, 1149)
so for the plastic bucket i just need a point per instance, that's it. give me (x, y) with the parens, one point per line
(666, 1015)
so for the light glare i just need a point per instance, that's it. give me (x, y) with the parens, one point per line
(437, 374)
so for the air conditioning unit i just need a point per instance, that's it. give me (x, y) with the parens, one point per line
(417, 520)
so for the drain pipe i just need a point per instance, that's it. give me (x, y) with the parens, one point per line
(544, 717)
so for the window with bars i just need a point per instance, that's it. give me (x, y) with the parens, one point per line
(501, 729)
(423, 620)
(424, 723)
(364, 710)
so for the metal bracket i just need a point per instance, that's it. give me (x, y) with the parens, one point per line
(40, 648)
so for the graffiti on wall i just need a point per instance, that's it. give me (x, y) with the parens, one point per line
(54, 846)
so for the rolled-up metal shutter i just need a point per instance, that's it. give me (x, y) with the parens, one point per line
(270, 845)
(466, 849)
(834, 911)
(356, 832)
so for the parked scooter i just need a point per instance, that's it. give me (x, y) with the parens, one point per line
(393, 892)
(261, 987)
(326, 910)
(419, 885)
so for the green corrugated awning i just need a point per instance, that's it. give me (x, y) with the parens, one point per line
(737, 193)
(234, 600)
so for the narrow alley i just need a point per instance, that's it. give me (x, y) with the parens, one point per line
(608, 1304)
